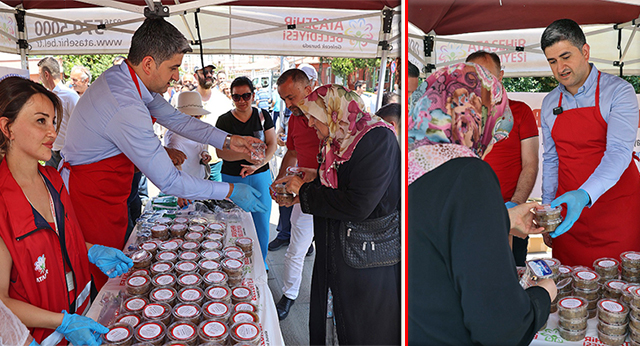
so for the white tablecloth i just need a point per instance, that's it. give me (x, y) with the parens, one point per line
(255, 277)
(550, 335)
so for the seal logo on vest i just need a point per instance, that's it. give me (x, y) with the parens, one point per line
(41, 268)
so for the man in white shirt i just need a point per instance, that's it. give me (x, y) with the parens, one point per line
(111, 132)
(214, 101)
(49, 69)
(80, 79)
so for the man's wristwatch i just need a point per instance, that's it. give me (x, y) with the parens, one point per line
(227, 142)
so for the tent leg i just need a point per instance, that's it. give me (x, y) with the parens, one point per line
(383, 72)
(22, 41)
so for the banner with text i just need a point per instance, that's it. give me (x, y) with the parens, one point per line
(224, 30)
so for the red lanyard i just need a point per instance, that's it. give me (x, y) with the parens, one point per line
(135, 81)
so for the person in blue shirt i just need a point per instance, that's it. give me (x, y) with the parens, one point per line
(589, 126)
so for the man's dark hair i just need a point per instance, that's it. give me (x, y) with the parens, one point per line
(51, 65)
(388, 97)
(159, 39)
(390, 112)
(563, 29)
(240, 81)
(359, 84)
(413, 70)
(295, 74)
(484, 54)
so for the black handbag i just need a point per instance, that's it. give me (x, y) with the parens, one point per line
(371, 243)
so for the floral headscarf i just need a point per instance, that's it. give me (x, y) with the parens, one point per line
(342, 111)
(463, 110)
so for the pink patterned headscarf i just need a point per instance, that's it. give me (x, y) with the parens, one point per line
(463, 110)
(342, 111)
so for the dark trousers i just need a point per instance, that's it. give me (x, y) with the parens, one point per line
(134, 203)
(284, 223)
(520, 250)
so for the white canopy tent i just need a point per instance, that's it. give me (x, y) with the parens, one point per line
(615, 49)
(217, 29)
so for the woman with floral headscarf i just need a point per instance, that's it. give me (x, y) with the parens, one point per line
(463, 284)
(357, 183)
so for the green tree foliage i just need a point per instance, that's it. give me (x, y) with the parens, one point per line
(635, 81)
(546, 84)
(343, 67)
(529, 84)
(95, 63)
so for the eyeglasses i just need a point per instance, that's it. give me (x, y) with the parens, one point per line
(206, 71)
(245, 96)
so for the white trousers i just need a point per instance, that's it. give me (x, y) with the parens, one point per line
(301, 238)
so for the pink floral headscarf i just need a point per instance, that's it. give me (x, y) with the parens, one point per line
(342, 111)
(463, 110)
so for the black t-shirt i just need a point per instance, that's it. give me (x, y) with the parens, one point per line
(227, 122)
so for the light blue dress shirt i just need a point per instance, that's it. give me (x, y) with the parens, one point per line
(619, 109)
(110, 118)
(69, 99)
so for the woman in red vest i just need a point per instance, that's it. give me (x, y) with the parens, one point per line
(44, 260)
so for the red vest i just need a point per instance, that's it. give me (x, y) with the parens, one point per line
(41, 257)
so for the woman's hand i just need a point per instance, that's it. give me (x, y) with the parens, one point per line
(205, 157)
(310, 174)
(521, 219)
(248, 170)
(292, 183)
(550, 286)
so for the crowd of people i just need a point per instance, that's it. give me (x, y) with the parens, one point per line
(473, 160)
(98, 140)
(472, 164)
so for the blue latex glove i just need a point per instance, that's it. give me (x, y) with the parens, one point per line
(81, 330)
(510, 205)
(111, 261)
(34, 343)
(575, 200)
(246, 197)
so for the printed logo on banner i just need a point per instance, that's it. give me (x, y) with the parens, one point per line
(7, 24)
(41, 268)
(359, 28)
(550, 335)
(450, 52)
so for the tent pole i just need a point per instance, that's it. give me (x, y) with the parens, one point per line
(22, 41)
(387, 21)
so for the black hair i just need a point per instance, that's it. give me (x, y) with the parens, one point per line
(15, 92)
(560, 30)
(240, 81)
(390, 112)
(413, 70)
(159, 39)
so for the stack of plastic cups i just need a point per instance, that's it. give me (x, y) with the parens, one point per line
(612, 322)
(634, 313)
(630, 261)
(573, 314)
(554, 265)
(586, 285)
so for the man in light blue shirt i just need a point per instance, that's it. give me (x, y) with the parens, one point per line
(589, 126)
(111, 132)
(50, 77)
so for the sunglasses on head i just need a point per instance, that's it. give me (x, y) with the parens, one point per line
(245, 96)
